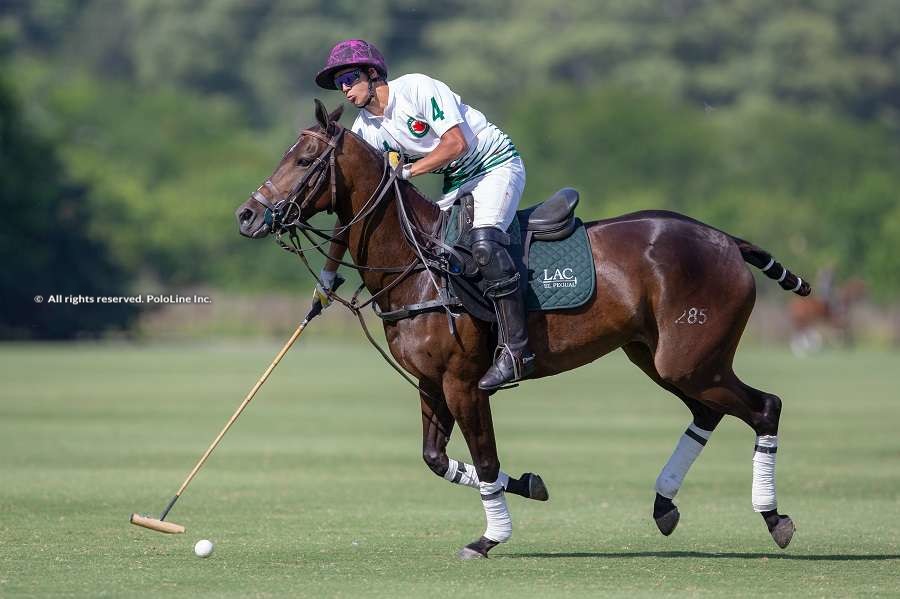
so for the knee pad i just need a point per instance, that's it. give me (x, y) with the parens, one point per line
(482, 252)
(489, 250)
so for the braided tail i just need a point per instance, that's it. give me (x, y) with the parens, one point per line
(764, 261)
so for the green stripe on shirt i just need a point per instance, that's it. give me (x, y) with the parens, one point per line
(479, 160)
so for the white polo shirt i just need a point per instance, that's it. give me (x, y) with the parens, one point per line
(421, 109)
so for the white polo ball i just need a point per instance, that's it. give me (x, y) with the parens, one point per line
(203, 548)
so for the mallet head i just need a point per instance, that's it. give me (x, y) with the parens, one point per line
(157, 525)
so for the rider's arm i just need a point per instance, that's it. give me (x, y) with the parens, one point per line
(452, 146)
(440, 108)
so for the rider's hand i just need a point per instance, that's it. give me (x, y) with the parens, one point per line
(396, 162)
(320, 294)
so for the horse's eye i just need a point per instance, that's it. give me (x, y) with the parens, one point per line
(304, 162)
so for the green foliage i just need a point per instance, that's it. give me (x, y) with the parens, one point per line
(775, 120)
(45, 241)
(841, 54)
(616, 146)
(710, 53)
(823, 185)
(167, 169)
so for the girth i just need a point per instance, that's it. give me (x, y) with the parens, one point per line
(443, 302)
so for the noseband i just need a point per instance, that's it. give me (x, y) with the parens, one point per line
(284, 210)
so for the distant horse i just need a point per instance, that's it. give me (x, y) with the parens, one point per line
(673, 293)
(832, 310)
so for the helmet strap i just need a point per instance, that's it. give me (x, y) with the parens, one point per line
(371, 95)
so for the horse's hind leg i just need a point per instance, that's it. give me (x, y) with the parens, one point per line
(761, 411)
(695, 356)
(688, 448)
(437, 425)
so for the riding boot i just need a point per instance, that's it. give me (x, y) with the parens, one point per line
(513, 360)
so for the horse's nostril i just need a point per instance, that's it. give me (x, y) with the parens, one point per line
(246, 216)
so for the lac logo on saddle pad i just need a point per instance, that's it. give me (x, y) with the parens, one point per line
(560, 273)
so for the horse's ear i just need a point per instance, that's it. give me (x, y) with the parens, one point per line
(336, 115)
(321, 114)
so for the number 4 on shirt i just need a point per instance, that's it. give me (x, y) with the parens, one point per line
(436, 112)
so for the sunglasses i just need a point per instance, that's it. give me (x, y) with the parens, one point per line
(349, 78)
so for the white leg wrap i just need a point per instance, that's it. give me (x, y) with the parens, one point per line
(689, 447)
(499, 522)
(764, 473)
(462, 474)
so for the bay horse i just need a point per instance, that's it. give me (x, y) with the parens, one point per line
(673, 293)
(832, 309)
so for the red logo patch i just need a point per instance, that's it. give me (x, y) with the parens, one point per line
(417, 128)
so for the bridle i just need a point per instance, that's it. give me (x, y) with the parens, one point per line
(284, 214)
(280, 209)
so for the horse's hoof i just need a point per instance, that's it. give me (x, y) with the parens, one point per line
(477, 549)
(468, 553)
(668, 521)
(783, 532)
(537, 490)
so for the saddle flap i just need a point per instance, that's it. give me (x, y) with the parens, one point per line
(554, 218)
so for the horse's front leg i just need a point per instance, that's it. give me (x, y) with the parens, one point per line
(437, 425)
(471, 408)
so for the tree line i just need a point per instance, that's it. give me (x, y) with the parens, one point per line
(776, 121)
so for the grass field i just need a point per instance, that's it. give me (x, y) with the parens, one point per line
(320, 490)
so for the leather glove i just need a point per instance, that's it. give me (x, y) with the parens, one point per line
(396, 162)
(320, 294)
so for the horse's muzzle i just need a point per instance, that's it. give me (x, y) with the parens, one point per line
(250, 224)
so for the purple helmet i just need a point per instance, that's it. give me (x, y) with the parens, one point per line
(350, 53)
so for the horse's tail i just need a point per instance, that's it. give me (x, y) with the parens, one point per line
(764, 261)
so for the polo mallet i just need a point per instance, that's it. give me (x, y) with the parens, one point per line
(170, 527)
